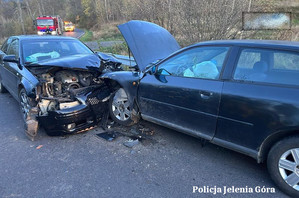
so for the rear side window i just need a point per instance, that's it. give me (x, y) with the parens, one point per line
(286, 61)
(269, 66)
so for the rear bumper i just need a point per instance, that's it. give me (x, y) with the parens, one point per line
(72, 120)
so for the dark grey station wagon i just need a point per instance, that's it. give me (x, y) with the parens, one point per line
(240, 94)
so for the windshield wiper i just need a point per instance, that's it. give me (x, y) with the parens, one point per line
(31, 64)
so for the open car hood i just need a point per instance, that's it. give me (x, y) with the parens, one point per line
(148, 42)
(79, 61)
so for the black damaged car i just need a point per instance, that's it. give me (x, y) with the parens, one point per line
(240, 94)
(55, 79)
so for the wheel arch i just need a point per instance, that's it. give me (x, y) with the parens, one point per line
(127, 80)
(271, 140)
(21, 86)
(114, 85)
(29, 88)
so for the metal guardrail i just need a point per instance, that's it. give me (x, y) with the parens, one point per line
(125, 60)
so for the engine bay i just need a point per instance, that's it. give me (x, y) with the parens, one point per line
(57, 89)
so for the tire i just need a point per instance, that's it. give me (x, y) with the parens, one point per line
(283, 165)
(2, 88)
(25, 103)
(119, 108)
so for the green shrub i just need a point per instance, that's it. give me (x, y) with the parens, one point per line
(116, 49)
(88, 36)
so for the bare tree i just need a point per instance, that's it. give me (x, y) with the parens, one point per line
(21, 16)
(189, 21)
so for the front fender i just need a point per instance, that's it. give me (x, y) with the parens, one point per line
(28, 87)
(128, 80)
(29, 82)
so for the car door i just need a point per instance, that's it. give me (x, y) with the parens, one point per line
(12, 70)
(184, 93)
(260, 99)
(3, 75)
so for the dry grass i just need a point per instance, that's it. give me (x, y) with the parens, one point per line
(108, 32)
(2, 40)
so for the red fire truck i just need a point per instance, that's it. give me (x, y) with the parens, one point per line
(49, 25)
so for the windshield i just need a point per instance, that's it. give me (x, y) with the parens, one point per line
(45, 22)
(35, 51)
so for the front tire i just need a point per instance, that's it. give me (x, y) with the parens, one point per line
(25, 104)
(2, 88)
(283, 165)
(119, 108)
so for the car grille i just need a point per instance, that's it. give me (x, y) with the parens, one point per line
(93, 101)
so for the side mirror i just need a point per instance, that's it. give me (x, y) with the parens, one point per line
(150, 70)
(161, 78)
(11, 59)
(163, 72)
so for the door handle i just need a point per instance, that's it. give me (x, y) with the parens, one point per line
(205, 95)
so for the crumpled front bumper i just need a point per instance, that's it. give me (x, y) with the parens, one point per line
(92, 108)
(71, 120)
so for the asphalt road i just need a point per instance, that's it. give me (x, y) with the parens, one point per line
(168, 164)
(77, 33)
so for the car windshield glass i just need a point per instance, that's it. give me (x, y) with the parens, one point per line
(35, 51)
(44, 22)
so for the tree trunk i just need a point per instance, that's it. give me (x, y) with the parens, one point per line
(21, 16)
(29, 9)
(106, 10)
(43, 8)
(39, 8)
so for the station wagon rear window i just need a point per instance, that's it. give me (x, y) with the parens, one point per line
(269, 66)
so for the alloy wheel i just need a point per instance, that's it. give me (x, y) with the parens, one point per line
(121, 106)
(289, 167)
(24, 103)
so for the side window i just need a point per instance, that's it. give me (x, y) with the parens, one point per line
(248, 58)
(13, 48)
(200, 62)
(5, 45)
(270, 66)
(286, 61)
